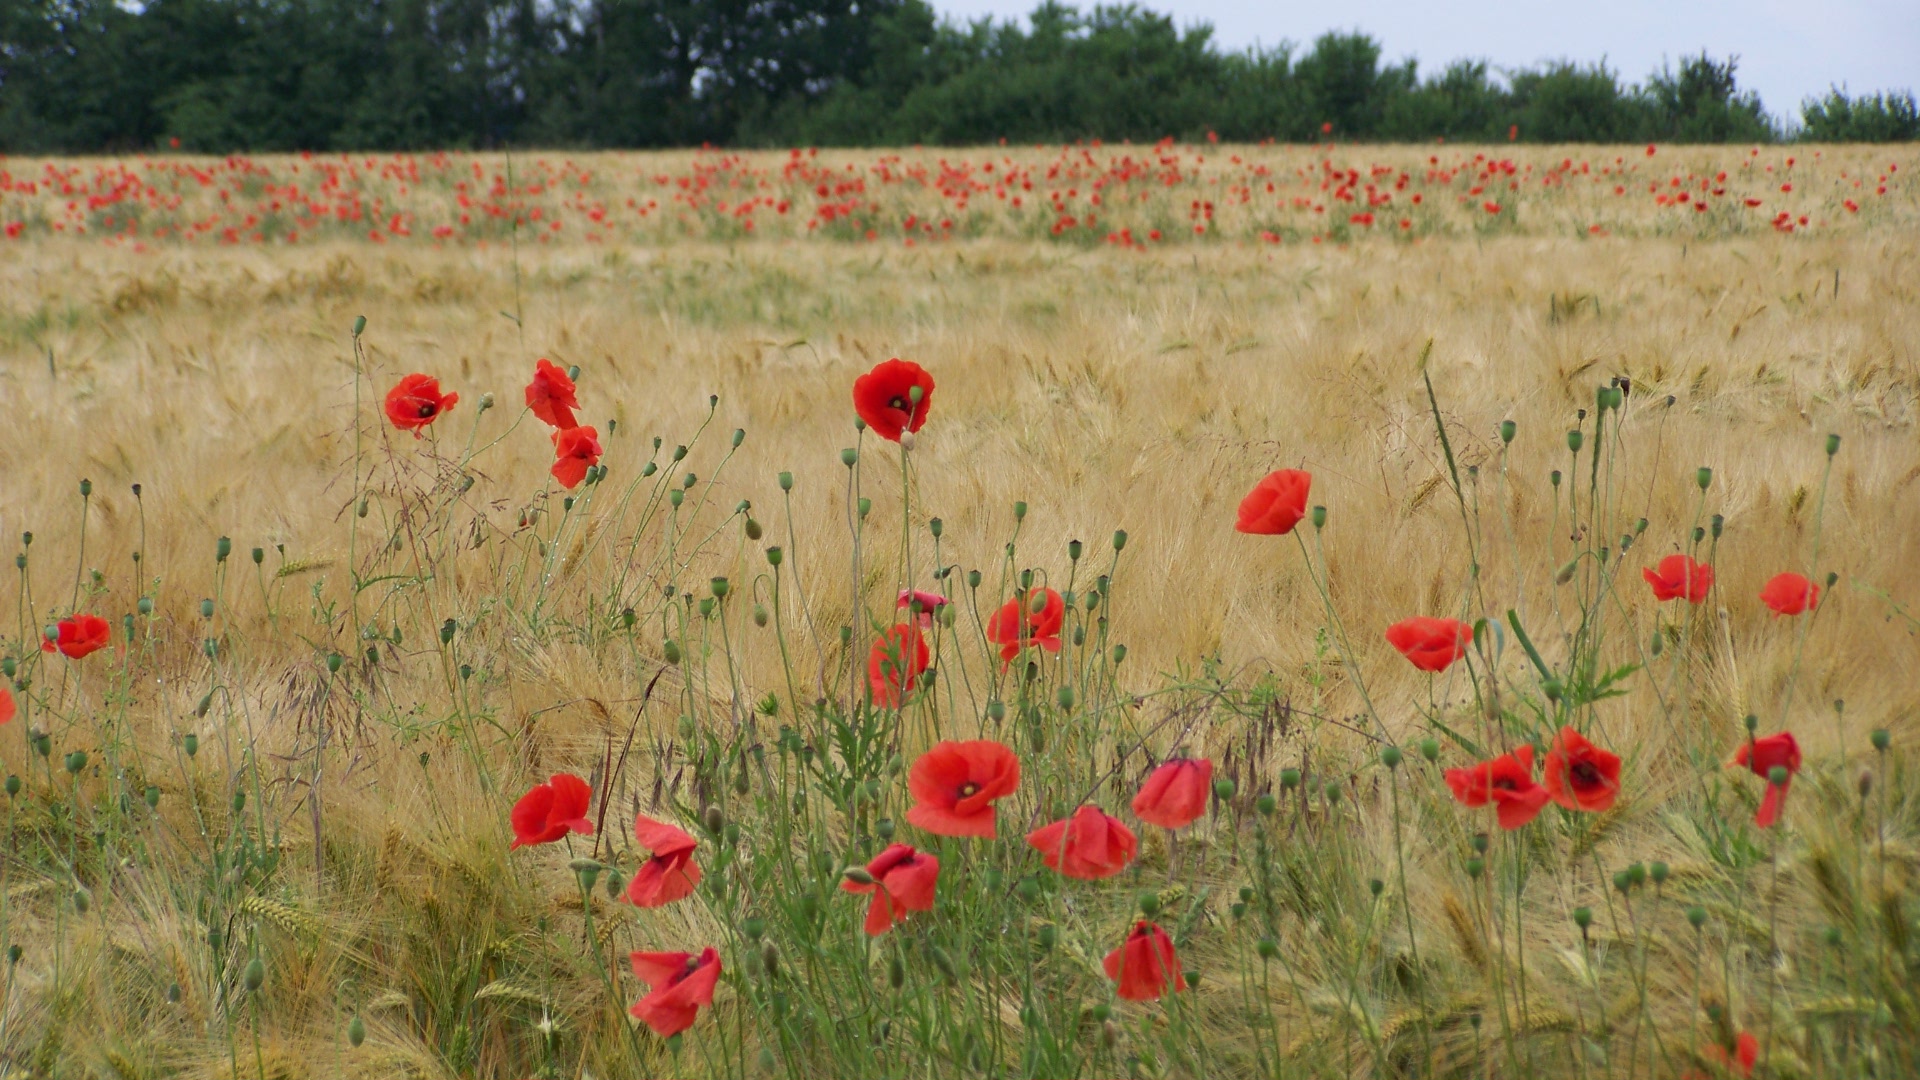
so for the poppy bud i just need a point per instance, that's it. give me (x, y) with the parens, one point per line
(1554, 477)
(1753, 722)
(1658, 871)
(1565, 573)
(1831, 578)
(1375, 886)
(82, 900)
(1881, 738)
(1507, 430)
(152, 795)
(361, 509)
(996, 711)
(720, 587)
(1289, 779)
(76, 761)
(1479, 843)
(205, 703)
(190, 743)
(1019, 511)
(865, 506)
(1332, 791)
(206, 609)
(1319, 517)
(215, 938)
(256, 974)
(849, 456)
(1475, 866)
(356, 1032)
(759, 615)
(670, 652)
(907, 440)
(1267, 948)
(1704, 477)
(1697, 916)
(973, 579)
(42, 743)
(1778, 774)
(1109, 1034)
(1574, 439)
(846, 635)
(714, 820)
(1833, 445)
(1583, 918)
(1149, 904)
(1266, 804)
(896, 972)
(1622, 881)
(944, 962)
(1224, 788)
(1065, 697)
(13, 785)
(1119, 654)
(240, 800)
(1390, 757)
(1832, 936)
(1430, 749)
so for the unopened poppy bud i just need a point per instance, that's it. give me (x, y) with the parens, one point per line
(206, 702)
(1319, 517)
(1049, 935)
(1149, 904)
(1752, 721)
(1778, 774)
(76, 761)
(1699, 534)
(1833, 936)
(1554, 477)
(1704, 477)
(1565, 573)
(770, 959)
(1833, 445)
(1390, 757)
(1289, 779)
(1659, 872)
(13, 785)
(42, 744)
(588, 871)
(846, 635)
(944, 962)
(759, 615)
(1622, 881)
(1332, 791)
(216, 938)
(1065, 697)
(754, 531)
(1637, 874)
(1109, 1034)
(1866, 782)
(884, 828)
(1430, 749)
(446, 632)
(1697, 916)
(849, 456)
(1376, 886)
(896, 972)
(906, 440)
(206, 609)
(1266, 804)
(1475, 866)
(1507, 430)
(190, 743)
(256, 974)
(152, 796)
(670, 652)
(1831, 578)
(356, 1032)
(239, 800)
(1019, 511)
(1119, 654)
(1881, 738)
(973, 579)
(1267, 948)
(996, 711)
(361, 509)
(1224, 788)
(649, 469)
(786, 481)
(1574, 439)
(1583, 917)
(714, 820)
(82, 900)
(864, 506)
(1639, 526)
(1479, 843)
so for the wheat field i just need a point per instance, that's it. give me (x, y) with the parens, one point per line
(348, 827)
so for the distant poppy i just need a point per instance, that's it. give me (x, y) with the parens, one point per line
(551, 396)
(884, 397)
(1790, 594)
(1431, 644)
(1038, 625)
(8, 710)
(1762, 756)
(1146, 966)
(903, 881)
(954, 786)
(1580, 775)
(552, 810)
(78, 636)
(895, 664)
(574, 451)
(924, 605)
(1090, 845)
(1276, 504)
(1175, 794)
(1506, 781)
(416, 401)
(1679, 577)
(1739, 1060)
(670, 873)
(682, 984)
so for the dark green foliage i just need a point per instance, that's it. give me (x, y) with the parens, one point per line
(223, 75)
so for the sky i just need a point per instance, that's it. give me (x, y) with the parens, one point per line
(1788, 51)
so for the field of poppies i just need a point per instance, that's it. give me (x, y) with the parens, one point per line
(1093, 612)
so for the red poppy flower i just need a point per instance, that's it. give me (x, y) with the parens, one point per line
(551, 811)
(923, 605)
(1175, 794)
(681, 985)
(895, 664)
(574, 450)
(551, 397)
(1506, 781)
(903, 881)
(1090, 845)
(1762, 756)
(416, 401)
(1580, 775)
(1790, 594)
(1431, 644)
(1677, 577)
(670, 873)
(954, 786)
(1146, 965)
(1038, 624)
(884, 397)
(8, 710)
(1276, 504)
(78, 636)
(1740, 1061)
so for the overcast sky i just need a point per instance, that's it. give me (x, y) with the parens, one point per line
(1788, 49)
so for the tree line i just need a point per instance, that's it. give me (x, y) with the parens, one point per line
(265, 75)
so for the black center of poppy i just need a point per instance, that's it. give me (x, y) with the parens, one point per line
(898, 402)
(969, 789)
(426, 409)
(1504, 784)
(1585, 774)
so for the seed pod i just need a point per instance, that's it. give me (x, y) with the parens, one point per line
(190, 743)
(670, 652)
(356, 1032)
(82, 900)
(1507, 431)
(896, 972)
(770, 959)
(714, 820)
(256, 974)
